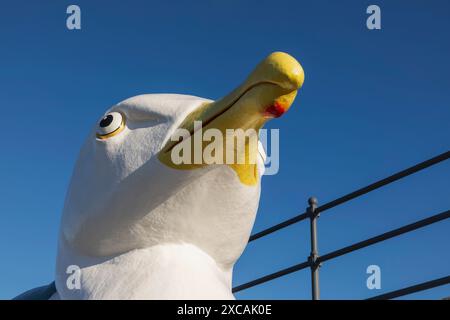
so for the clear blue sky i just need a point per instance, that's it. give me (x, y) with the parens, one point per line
(373, 103)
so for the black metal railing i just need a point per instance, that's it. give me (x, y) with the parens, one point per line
(314, 260)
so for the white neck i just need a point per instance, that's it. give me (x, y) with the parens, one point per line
(165, 271)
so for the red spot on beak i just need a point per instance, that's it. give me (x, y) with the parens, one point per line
(274, 111)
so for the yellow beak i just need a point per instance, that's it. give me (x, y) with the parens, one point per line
(268, 92)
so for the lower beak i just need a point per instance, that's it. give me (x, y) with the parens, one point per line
(268, 92)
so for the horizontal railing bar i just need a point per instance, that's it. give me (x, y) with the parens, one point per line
(385, 181)
(272, 276)
(356, 246)
(354, 194)
(412, 289)
(387, 235)
(279, 226)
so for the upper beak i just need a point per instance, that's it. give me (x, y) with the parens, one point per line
(268, 92)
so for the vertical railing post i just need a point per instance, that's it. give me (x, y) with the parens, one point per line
(314, 255)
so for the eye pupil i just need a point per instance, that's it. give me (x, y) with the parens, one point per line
(106, 121)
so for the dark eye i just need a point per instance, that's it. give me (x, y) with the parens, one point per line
(110, 125)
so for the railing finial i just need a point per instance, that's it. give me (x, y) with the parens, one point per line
(312, 201)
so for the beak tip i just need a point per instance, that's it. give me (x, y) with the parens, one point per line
(285, 70)
(298, 76)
